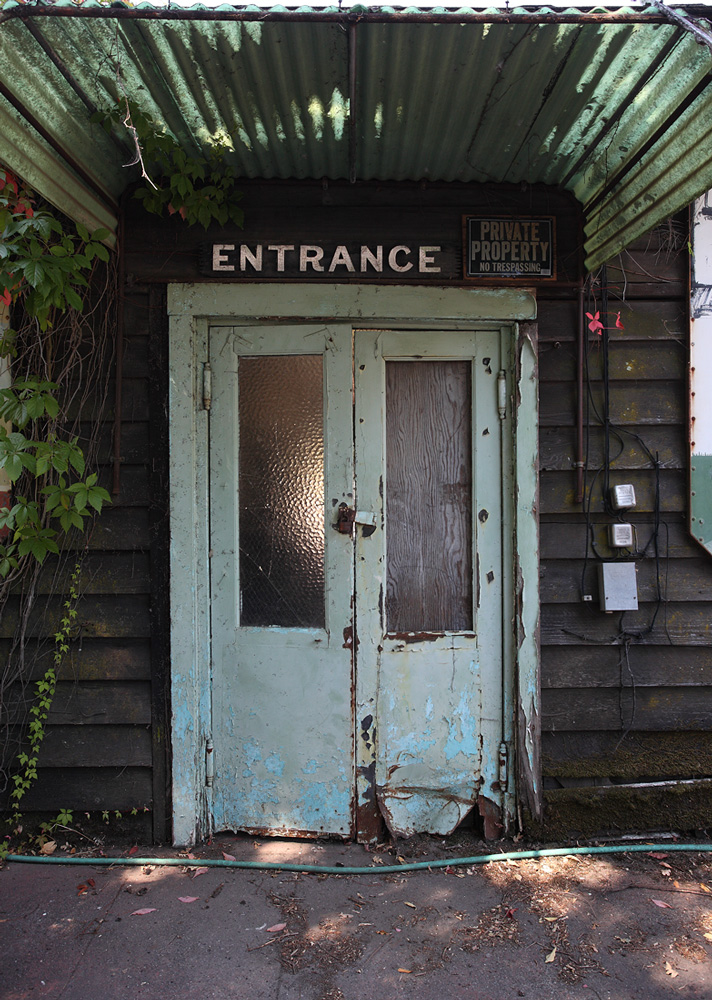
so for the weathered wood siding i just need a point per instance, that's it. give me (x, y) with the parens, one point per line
(107, 733)
(616, 709)
(626, 698)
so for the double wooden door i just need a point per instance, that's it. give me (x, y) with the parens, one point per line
(356, 520)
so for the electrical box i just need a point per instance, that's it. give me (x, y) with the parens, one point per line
(622, 496)
(618, 586)
(620, 536)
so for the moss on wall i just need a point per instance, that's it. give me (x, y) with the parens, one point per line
(589, 812)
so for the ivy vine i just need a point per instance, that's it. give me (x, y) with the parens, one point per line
(48, 275)
(199, 187)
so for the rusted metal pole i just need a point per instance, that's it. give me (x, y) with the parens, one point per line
(119, 384)
(352, 103)
(375, 15)
(581, 341)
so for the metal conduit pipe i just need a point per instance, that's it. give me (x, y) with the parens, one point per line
(286, 866)
(581, 351)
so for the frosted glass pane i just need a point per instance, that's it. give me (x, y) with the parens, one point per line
(281, 484)
(428, 496)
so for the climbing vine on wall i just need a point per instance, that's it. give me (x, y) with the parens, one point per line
(199, 187)
(57, 284)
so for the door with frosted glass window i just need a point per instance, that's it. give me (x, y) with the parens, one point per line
(356, 584)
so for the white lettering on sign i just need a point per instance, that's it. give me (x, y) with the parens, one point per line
(426, 260)
(368, 257)
(280, 249)
(255, 259)
(393, 259)
(343, 257)
(220, 260)
(312, 258)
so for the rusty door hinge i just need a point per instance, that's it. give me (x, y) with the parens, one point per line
(502, 394)
(503, 766)
(207, 385)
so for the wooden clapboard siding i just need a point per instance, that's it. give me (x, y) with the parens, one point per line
(625, 698)
(611, 712)
(105, 745)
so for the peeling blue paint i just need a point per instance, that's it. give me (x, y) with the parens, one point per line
(320, 800)
(274, 764)
(463, 730)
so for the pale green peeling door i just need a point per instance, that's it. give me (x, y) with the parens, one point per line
(281, 580)
(403, 429)
(429, 586)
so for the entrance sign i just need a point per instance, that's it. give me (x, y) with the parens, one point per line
(300, 260)
(509, 247)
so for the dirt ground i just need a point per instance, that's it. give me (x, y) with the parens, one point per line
(614, 926)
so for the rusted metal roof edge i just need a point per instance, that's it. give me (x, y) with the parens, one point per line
(39, 166)
(392, 15)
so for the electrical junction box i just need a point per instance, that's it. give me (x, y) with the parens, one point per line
(618, 586)
(620, 536)
(623, 496)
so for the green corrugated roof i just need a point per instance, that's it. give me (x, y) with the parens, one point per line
(613, 105)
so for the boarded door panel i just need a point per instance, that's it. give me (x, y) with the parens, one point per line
(428, 456)
(428, 497)
(281, 580)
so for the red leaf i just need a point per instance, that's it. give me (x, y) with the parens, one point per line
(229, 857)
(133, 849)
(663, 905)
(658, 855)
(188, 899)
(199, 871)
(144, 911)
(275, 927)
(91, 883)
(619, 322)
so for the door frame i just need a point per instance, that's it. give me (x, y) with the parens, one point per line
(192, 309)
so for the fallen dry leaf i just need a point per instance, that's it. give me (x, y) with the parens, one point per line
(404, 970)
(551, 956)
(708, 935)
(229, 857)
(411, 905)
(144, 911)
(669, 971)
(199, 871)
(133, 850)
(661, 903)
(49, 848)
(705, 887)
(188, 899)
(658, 855)
(275, 927)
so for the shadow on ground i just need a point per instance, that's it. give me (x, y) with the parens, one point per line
(616, 927)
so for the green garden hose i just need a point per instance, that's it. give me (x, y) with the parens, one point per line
(287, 866)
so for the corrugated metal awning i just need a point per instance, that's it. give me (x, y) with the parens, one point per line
(614, 105)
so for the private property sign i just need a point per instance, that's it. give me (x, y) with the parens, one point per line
(509, 247)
